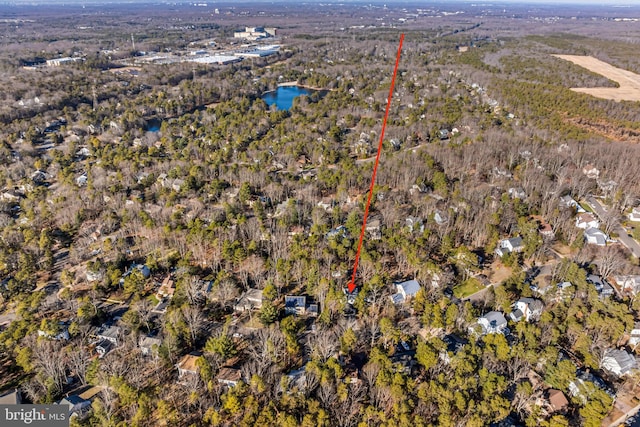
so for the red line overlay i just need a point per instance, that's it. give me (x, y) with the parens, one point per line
(352, 283)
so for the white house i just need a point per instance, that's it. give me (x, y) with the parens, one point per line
(440, 218)
(635, 214)
(405, 290)
(517, 193)
(618, 362)
(526, 308)
(506, 246)
(251, 299)
(149, 345)
(634, 338)
(594, 236)
(414, 224)
(587, 220)
(591, 171)
(492, 323)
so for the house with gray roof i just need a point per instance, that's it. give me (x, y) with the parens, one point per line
(405, 291)
(493, 322)
(514, 244)
(595, 236)
(618, 362)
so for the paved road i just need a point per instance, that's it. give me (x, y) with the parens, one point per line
(623, 236)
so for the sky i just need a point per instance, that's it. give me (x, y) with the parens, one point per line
(214, 2)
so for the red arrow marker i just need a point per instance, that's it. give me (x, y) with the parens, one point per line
(352, 283)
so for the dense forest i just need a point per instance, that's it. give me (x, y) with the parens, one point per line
(143, 205)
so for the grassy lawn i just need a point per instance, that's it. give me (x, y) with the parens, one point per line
(586, 207)
(468, 287)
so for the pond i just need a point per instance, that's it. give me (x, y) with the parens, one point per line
(283, 96)
(153, 125)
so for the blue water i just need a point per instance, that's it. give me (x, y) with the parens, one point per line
(283, 96)
(153, 125)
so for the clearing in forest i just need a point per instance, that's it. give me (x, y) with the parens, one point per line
(629, 82)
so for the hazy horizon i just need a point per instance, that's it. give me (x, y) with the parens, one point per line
(604, 3)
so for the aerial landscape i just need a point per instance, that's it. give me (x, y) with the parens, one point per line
(321, 214)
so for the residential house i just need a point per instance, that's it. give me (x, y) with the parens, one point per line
(161, 307)
(403, 358)
(492, 323)
(517, 193)
(295, 379)
(526, 308)
(166, 182)
(11, 398)
(440, 218)
(373, 229)
(501, 173)
(591, 171)
(109, 333)
(188, 366)
(569, 202)
(635, 214)
(103, 347)
(149, 346)
(618, 362)
(634, 336)
(514, 244)
(601, 285)
(61, 333)
(338, 231)
(418, 188)
(94, 276)
(606, 186)
(81, 181)
(557, 400)
(415, 225)
(562, 288)
(295, 304)
(405, 291)
(326, 204)
(249, 300)
(546, 231)
(607, 290)
(587, 220)
(167, 288)
(594, 236)
(78, 407)
(10, 196)
(39, 177)
(454, 345)
(229, 376)
(629, 283)
(313, 310)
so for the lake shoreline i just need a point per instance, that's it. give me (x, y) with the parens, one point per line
(295, 83)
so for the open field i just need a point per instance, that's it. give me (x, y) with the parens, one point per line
(629, 82)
